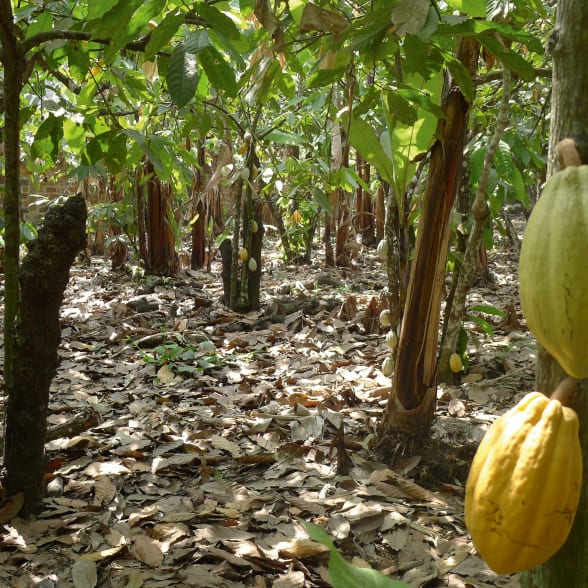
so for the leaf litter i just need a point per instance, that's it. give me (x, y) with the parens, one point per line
(206, 436)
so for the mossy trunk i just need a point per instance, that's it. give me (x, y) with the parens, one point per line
(569, 46)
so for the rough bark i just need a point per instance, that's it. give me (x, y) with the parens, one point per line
(411, 403)
(43, 277)
(569, 118)
(161, 259)
(480, 213)
(13, 62)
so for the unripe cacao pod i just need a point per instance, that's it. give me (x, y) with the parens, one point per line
(388, 366)
(382, 249)
(392, 339)
(243, 254)
(252, 264)
(385, 318)
(524, 485)
(553, 272)
(254, 227)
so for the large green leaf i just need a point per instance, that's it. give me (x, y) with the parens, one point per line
(408, 141)
(162, 34)
(197, 41)
(182, 76)
(346, 575)
(475, 8)
(511, 59)
(219, 72)
(48, 138)
(218, 21)
(363, 138)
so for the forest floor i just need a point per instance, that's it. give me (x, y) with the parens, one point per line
(218, 433)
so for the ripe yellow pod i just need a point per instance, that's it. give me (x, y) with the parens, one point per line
(524, 484)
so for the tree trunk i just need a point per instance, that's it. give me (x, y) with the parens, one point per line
(161, 259)
(569, 118)
(468, 271)
(43, 277)
(13, 61)
(411, 404)
(198, 256)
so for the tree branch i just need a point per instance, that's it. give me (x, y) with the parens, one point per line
(491, 76)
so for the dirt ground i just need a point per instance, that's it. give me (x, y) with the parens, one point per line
(216, 434)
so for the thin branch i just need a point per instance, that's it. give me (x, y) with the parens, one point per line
(491, 76)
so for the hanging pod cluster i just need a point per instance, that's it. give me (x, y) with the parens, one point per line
(525, 481)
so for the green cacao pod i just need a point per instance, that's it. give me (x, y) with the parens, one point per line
(388, 366)
(553, 271)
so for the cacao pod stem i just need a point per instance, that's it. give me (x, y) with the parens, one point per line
(565, 391)
(567, 152)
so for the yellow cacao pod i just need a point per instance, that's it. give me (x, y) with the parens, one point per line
(553, 272)
(524, 484)
(254, 226)
(455, 363)
(243, 254)
(388, 366)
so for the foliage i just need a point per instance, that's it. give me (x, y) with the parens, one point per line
(346, 575)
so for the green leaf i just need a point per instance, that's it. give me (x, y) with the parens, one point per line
(48, 137)
(97, 10)
(197, 41)
(162, 34)
(42, 23)
(364, 139)
(111, 22)
(78, 60)
(511, 59)
(486, 309)
(484, 325)
(74, 135)
(474, 8)
(182, 76)
(284, 138)
(219, 72)
(345, 575)
(142, 142)
(218, 21)
(462, 77)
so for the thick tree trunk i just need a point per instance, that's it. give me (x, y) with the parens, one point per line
(43, 277)
(161, 253)
(411, 404)
(569, 118)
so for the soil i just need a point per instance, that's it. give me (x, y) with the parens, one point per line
(214, 434)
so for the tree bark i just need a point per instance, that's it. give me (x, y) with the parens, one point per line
(43, 277)
(569, 118)
(13, 62)
(411, 404)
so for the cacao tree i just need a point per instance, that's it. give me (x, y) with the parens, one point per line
(569, 119)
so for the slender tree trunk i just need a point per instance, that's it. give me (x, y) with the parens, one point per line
(569, 118)
(198, 256)
(411, 404)
(13, 61)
